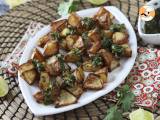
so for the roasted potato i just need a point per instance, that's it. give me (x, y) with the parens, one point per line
(74, 20)
(89, 67)
(58, 26)
(75, 90)
(72, 57)
(53, 66)
(79, 43)
(127, 50)
(37, 55)
(28, 72)
(65, 98)
(104, 17)
(63, 44)
(44, 81)
(120, 38)
(79, 74)
(95, 47)
(93, 82)
(107, 33)
(94, 36)
(39, 97)
(103, 73)
(51, 48)
(70, 41)
(114, 64)
(43, 40)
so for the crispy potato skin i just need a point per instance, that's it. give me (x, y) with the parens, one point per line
(70, 41)
(120, 38)
(89, 67)
(51, 48)
(74, 20)
(58, 26)
(70, 57)
(43, 40)
(103, 73)
(37, 55)
(79, 74)
(44, 81)
(39, 97)
(93, 82)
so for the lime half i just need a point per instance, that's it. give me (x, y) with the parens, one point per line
(141, 114)
(97, 2)
(3, 87)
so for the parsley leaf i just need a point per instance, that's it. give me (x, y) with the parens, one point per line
(67, 7)
(97, 60)
(113, 114)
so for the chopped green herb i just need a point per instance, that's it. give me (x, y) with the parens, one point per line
(88, 23)
(62, 63)
(117, 50)
(55, 36)
(68, 78)
(85, 38)
(48, 98)
(38, 65)
(97, 60)
(76, 51)
(117, 28)
(107, 43)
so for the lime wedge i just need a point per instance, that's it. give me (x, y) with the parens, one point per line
(3, 87)
(97, 2)
(141, 114)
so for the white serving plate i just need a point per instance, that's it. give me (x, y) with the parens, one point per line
(116, 77)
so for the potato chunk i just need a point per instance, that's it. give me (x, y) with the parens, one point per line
(120, 38)
(75, 90)
(37, 55)
(65, 98)
(79, 74)
(103, 73)
(39, 97)
(74, 20)
(44, 80)
(43, 40)
(70, 41)
(93, 82)
(58, 26)
(28, 73)
(51, 48)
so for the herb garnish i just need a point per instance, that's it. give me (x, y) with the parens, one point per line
(76, 51)
(117, 28)
(62, 63)
(68, 78)
(55, 36)
(125, 101)
(88, 23)
(107, 43)
(38, 65)
(48, 98)
(117, 50)
(97, 60)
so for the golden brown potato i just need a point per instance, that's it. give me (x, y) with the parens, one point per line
(89, 67)
(120, 38)
(103, 73)
(37, 55)
(70, 41)
(93, 82)
(75, 90)
(104, 17)
(53, 66)
(58, 26)
(107, 56)
(95, 47)
(94, 36)
(108, 33)
(72, 57)
(65, 98)
(74, 20)
(63, 45)
(43, 40)
(39, 97)
(44, 81)
(127, 50)
(30, 76)
(114, 64)
(28, 72)
(79, 74)
(79, 43)
(51, 48)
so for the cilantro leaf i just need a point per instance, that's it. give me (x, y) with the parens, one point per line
(113, 114)
(67, 7)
